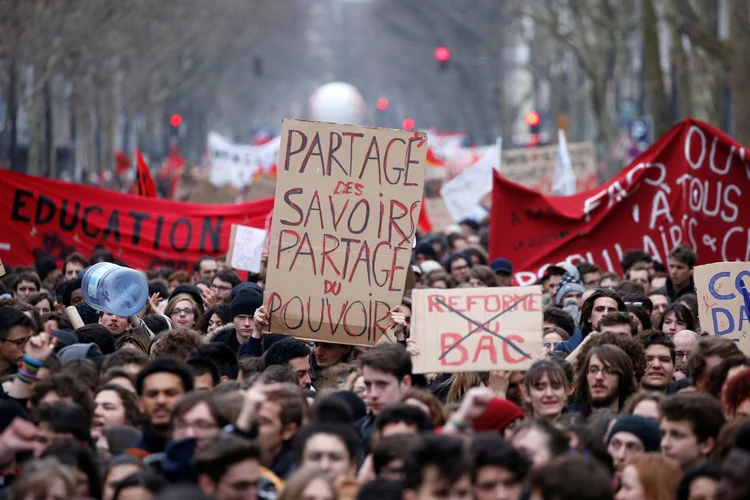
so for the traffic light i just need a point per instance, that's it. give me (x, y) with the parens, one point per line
(533, 120)
(175, 120)
(443, 55)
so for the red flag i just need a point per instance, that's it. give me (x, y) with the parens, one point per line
(146, 186)
(686, 189)
(424, 219)
(122, 162)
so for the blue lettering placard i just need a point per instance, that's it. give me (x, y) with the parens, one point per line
(724, 300)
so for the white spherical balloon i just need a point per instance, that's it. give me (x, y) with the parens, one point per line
(337, 102)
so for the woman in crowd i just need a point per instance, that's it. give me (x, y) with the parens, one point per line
(675, 319)
(482, 277)
(43, 302)
(650, 476)
(216, 317)
(183, 311)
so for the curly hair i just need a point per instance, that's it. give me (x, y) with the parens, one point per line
(65, 385)
(177, 343)
(129, 400)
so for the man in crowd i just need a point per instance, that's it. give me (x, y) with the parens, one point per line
(590, 274)
(599, 304)
(660, 361)
(498, 470)
(16, 329)
(734, 484)
(205, 268)
(386, 370)
(639, 275)
(684, 343)
(503, 270)
(228, 468)
(631, 435)
(243, 308)
(25, 286)
(618, 322)
(682, 260)
(690, 424)
(74, 264)
(604, 379)
(332, 448)
(293, 353)
(222, 285)
(160, 385)
(660, 301)
(438, 468)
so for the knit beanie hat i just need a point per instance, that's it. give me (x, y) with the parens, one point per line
(498, 415)
(645, 429)
(569, 283)
(246, 302)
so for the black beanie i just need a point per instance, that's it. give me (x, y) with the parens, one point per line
(643, 428)
(246, 302)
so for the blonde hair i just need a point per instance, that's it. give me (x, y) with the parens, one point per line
(659, 475)
(37, 477)
(197, 314)
(300, 480)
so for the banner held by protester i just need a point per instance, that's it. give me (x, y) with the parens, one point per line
(347, 206)
(44, 217)
(685, 189)
(476, 329)
(724, 300)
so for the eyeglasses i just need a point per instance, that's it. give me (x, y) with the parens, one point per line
(17, 342)
(682, 354)
(595, 370)
(221, 288)
(185, 310)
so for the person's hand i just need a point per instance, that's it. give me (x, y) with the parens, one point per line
(473, 405)
(261, 318)
(255, 396)
(413, 348)
(367, 471)
(400, 321)
(210, 298)
(499, 382)
(678, 375)
(153, 302)
(17, 437)
(542, 354)
(40, 347)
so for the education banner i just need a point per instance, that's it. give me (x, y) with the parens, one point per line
(45, 217)
(347, 207)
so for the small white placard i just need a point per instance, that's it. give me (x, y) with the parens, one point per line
(246, 248)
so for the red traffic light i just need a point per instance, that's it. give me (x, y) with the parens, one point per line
(382, 104)
(442, 54)
(408, 124)
(175, 120)
(533, 118)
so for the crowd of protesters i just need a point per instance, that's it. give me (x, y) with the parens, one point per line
(190, 399)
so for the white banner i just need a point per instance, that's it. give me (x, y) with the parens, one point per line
(463, 193)
(236, 164)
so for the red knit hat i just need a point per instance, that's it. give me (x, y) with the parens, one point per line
(500, 413)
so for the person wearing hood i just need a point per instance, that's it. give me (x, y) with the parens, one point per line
(244, 305)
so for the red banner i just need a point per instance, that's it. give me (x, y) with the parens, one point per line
(40, 216)
(685, 189)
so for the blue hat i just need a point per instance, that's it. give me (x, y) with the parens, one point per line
(501, 265)
(569, 283)
(65, 337)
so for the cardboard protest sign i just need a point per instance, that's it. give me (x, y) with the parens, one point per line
(246, 248)
(723, 300)
(346, 212)
(476, 329)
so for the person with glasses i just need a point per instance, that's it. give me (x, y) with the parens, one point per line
(222, 285)
(605, 379)
(197, 415)
(183, 311)
(684, 343)
(16, 329)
